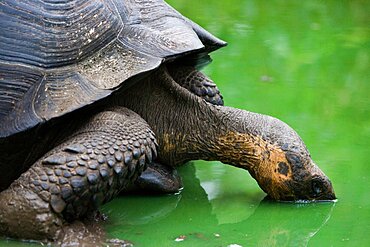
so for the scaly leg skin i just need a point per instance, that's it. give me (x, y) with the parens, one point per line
(197, 83)
(156, 179)
(73, 179)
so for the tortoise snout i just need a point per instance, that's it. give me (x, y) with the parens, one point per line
(322, 189)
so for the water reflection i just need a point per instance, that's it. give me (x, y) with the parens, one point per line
(266, 224)
(137, 210)
(188, 214)
(274, 224)
(202, 215)
(233, 194)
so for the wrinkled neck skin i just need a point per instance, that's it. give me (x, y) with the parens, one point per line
(188, 128)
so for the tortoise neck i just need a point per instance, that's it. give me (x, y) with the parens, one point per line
(188, 128)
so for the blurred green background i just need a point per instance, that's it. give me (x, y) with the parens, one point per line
(307, 63)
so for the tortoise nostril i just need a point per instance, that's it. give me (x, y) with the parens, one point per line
(317, 187)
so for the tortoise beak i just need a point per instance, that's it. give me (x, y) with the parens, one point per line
(318, 189)
(321, 186)
(327, 193)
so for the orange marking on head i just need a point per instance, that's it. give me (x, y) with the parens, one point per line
(265, 161)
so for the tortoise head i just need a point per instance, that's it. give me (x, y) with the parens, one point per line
(292, 176)
(286, 170)
(307, 181)
(276, 157)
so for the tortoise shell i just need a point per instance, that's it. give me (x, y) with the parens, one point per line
(57, 56)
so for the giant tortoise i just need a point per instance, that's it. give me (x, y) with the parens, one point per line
(94, 92)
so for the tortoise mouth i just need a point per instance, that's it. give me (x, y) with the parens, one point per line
(329, 198)
(307, 201)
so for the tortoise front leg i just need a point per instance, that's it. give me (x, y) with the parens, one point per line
(73, 179)
(197, 83)
(156, 179)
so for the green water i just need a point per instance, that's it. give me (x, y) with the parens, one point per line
(307, 63)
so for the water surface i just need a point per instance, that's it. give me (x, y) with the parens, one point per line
(307, 63)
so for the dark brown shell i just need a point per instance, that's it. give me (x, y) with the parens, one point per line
(57, 56)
